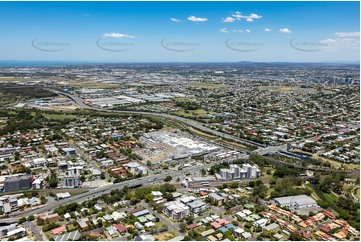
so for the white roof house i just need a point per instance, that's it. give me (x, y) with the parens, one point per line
(260, 223)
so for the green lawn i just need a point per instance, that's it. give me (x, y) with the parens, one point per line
(330, 198)
(200, 229)
(59, 116)
(48, 234)
(70, 227)
(192, 113)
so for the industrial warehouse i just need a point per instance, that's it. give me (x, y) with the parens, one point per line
(301, 201)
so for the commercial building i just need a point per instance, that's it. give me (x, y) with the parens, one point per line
(71, 181)
(235, 172)
(296, 202)
(195, 205)
(175, 210)
(136, 168)
(69, 151)
(18, 182)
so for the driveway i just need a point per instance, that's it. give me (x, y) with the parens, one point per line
(35, 231)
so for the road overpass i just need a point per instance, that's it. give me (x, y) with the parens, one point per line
(188, 122)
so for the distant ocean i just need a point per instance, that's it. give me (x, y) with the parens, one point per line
(38, 63)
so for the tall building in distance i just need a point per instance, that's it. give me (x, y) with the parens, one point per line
(235, 172)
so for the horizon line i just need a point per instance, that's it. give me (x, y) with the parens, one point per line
(175, 62)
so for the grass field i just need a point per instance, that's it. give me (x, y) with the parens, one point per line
(203, 134)
(59, 116)
(209, 85)
(337, 164)
(8, 98)
(330, 198)
(192, 113)
(217, 138)
(236, 144)
(333, 163)
(182, 98)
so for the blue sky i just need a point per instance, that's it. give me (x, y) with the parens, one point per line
(180, 31)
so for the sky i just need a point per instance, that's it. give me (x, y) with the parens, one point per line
(180, 31)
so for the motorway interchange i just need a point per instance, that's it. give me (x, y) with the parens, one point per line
(148, 180)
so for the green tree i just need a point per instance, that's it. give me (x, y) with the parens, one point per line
(43, 200)
(295, 237)
(183, 227)
(168, 179)
(189, 219)
(22, 220)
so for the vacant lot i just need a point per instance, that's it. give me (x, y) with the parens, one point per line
(166, 236)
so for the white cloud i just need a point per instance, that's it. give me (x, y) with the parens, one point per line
(327, 41)
(175, 20)
(285, 30)
(353, 43)
(248, 31)
(117, 35)
(224, 30)
(237, 31)
(348, 34)
(237, 15)
(195, 19)
(255, 16)
(228, 20)
(249, 18)
(267, 30)
(341, 44)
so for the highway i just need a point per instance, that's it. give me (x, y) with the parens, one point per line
(147, 180)
(188, 122)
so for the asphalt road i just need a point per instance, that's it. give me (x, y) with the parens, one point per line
(35, 231)
(164, 220)
(189, 122)
(147, 180)
(88, 159)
